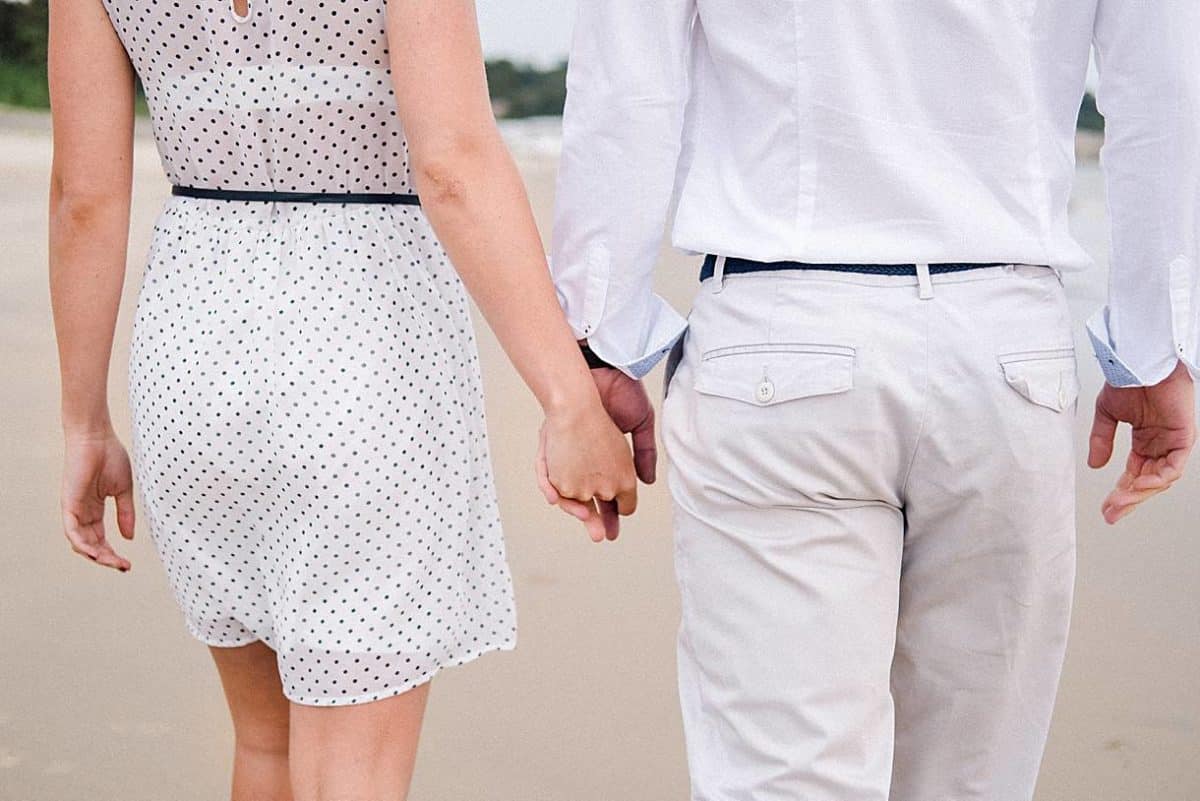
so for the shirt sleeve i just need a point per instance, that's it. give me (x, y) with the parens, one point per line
(1149, 93)
(622, 135)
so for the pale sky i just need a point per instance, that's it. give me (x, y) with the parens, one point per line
(526, 30)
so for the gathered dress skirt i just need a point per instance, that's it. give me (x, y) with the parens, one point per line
(310, 446)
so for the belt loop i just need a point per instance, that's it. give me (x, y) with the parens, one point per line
(718, 275)
(924, 281)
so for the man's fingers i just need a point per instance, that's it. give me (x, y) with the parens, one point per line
(626, 502)
(1119, 505)
(1142, 479)
(1178, 459)
(1125, 498)
(645, 450)
(611, 518)
(1156, 474)
(1152, 481)
(1100, 443)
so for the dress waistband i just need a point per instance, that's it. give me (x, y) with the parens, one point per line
(735, 265)
(296, 197)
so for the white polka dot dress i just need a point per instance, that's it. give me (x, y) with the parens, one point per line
(309, 438)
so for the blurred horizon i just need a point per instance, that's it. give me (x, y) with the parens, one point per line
(525, 42)
(534, 31)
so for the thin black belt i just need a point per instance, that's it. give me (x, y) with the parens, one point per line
(296, 197)
(735, 265)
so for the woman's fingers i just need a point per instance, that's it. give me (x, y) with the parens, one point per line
(125, 513)
(543, 474)
(594, 523)
(110, 558)
(589, 475)
(580, 510)
(95, 470)
(80, 540)
(583, 511)
(87, 539)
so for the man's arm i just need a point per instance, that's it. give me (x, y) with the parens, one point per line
(622, 134)
(1149, 93)
(1148, 336)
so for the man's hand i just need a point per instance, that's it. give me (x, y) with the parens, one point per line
(1163, 418)
(629, 406)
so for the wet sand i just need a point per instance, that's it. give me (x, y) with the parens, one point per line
(105, 697)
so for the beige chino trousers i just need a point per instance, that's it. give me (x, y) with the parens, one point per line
(873, 485)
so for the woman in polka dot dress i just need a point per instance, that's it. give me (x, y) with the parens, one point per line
(309, 441)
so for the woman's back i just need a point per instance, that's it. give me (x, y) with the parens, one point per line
(294, 96)
(309, 442)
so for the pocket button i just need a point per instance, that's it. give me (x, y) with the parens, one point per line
(765, 391)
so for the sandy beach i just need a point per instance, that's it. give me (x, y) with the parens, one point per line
(105, 697)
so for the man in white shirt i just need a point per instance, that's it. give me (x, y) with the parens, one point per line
(869, 417)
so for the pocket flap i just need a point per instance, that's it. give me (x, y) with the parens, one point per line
(1046, 377)
(767, 374)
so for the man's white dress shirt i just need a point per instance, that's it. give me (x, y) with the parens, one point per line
(879, 131)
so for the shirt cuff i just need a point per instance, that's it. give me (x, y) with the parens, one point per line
(1117, 372)
(637, 358)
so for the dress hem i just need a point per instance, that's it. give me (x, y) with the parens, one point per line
(380, 695)
(403, 687)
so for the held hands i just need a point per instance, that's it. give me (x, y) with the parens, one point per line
(584, 466)
(96, 468)
(1163, 418)
(626, 409)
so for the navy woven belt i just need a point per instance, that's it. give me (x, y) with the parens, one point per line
(736, 265)
(296, 197)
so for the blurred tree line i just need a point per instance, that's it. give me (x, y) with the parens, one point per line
(23, 53)
(23, 32)
(518, 90)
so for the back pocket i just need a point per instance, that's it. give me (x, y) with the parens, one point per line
(768, 374)
(1046, 377)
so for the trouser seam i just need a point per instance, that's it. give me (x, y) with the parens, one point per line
(927, 389)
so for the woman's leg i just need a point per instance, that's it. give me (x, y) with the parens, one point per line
(250, 676)
(358, 751)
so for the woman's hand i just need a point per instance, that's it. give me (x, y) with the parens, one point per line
(97, 467)
(585, 467)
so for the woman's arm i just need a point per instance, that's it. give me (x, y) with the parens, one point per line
(473, 195)
(91, 97)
